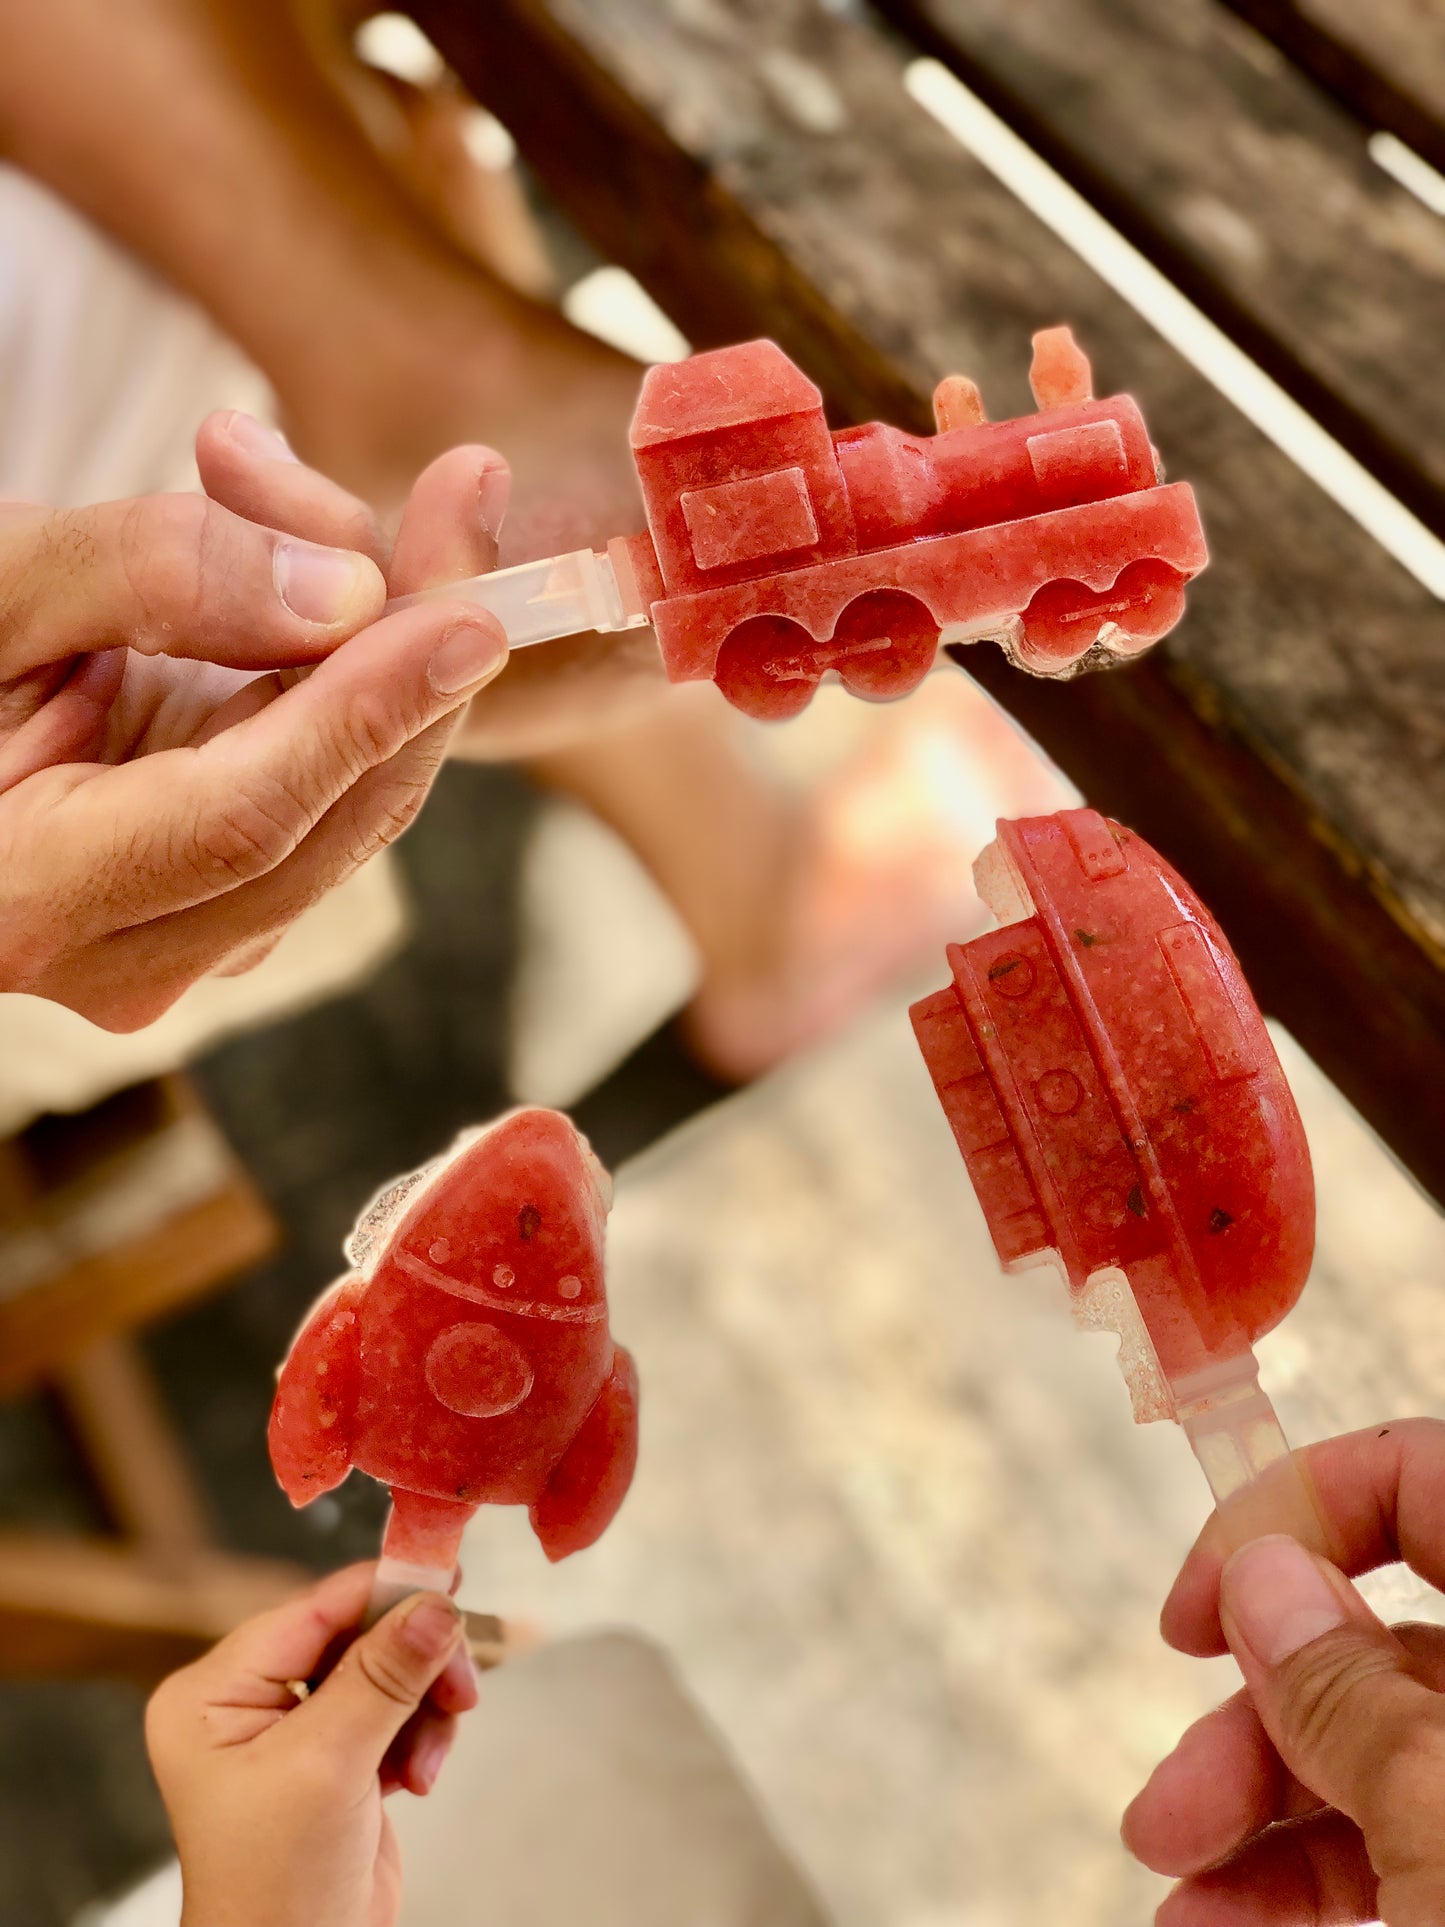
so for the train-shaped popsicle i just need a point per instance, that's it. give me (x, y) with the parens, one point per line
(777, 550)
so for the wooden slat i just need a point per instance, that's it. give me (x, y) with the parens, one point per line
(1252, 190)
(84, 1606)
(181, 1259)
(1385, 59)
(758, 165)
(112, 1217)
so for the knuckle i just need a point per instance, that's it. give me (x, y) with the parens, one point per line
(1322, 1687)
(386, 1673)
(257, 828)
(177, 561)
(38, 548)
(371, 732)
(385, 822)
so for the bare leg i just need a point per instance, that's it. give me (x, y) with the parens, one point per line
(719, 835)
(224, 141)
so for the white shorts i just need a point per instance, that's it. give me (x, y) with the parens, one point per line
(105, 375)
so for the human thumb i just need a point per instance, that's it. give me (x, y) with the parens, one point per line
(382, 1678)
(1337, 1694)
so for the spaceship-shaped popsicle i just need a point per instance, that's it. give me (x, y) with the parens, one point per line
(777, 552)
(467, 1359)
(1123, 1116)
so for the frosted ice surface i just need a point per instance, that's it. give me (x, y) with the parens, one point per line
(1107, 1304)
(373, 1226)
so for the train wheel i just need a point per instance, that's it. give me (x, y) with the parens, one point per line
(1066, 619)
(884, 645)
(769, 667)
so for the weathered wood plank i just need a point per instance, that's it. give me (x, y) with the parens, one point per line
(1385, 60)
(759, 166)
(114, 1217)
(1252, 190)
(77, 1606)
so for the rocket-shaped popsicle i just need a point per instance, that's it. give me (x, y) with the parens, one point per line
(467, 1359)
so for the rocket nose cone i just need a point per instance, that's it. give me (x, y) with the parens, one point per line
(535, 1128)
(514, 1217)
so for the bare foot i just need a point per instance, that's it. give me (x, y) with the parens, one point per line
(881, 876)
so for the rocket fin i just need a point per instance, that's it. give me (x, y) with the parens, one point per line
(590, 1480)
(313, 1417)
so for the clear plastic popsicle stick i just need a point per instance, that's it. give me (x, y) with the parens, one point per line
(1258, 1486)
(486, 1635)
(560, 595)
(396, 1578)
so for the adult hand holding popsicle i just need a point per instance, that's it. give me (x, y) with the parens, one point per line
(467, 1360)
(172, 793)
(1340, 1730)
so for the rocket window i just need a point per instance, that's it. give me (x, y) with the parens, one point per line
(751, 519)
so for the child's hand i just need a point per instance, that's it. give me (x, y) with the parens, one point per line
(276, 1803)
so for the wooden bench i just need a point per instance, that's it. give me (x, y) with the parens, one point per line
(1384, 60)
(110, 1219)
(762, 168)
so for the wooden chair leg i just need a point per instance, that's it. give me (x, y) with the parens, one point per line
(70, 1606)
(108, 1219)
(131, 1448)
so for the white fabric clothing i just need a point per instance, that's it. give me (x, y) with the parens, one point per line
(105, 375)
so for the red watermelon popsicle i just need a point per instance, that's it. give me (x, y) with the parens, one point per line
(778, 552)
(466, 1360)
(1124, 1118)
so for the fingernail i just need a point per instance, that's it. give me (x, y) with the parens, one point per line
(322, 585)
(1279, 1598)
(257, 439)
(431, 1627)
(494, 491)
(468, 655)
(431, 1758)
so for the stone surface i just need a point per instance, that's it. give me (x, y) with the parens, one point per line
(891, 1520)
(593, 1746)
